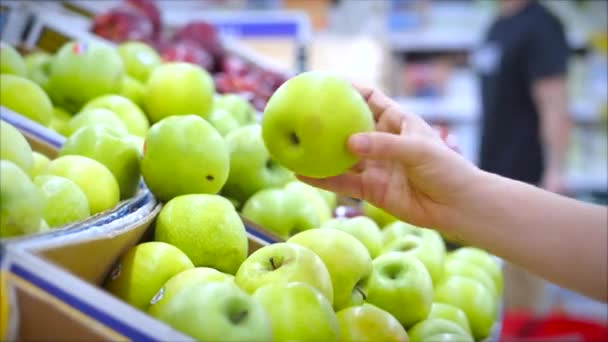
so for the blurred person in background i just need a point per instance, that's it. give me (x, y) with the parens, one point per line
(522, 66)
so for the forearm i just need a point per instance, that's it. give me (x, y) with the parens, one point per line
(560, 239)
(555, 138)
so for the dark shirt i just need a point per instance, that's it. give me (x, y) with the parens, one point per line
(518, 50)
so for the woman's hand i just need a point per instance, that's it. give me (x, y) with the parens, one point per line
(406, 168)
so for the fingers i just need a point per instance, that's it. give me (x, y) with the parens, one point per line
(347, 184)
(385, 146)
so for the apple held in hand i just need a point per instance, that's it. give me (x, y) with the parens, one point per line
(436, 329)
(450, 313)
(95, 116)
(82, 71)
(139, 59)
(21, 204)
(184, 155)
(298, 312)
(11, 61)
(64, 201)
(346, 259)
(284, 263)
(401, 285)
(362, 228)
(369, 323)
(207, 228)
(14, 147)
(251, 168)
(129, 113)
(474, 299)
(178, 89)
(216, 311)
(308, 120)
(483, 259)
(431, 257)
(26, 98)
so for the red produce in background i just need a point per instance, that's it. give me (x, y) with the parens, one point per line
(187, 52)
(150, 10)
(203, 34)
(122, 24)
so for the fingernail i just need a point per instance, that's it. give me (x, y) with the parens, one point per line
(360, 143)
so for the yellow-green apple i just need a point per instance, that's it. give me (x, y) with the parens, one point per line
(482, 259)
(26, 98)
(284, 213)
(308, 121)
(60, 121)
(432, 258)
(425, 330)
(81, 71)
(330, 197)
(137, 141)
(298, 312)
(362, 228)
(396, 229)
(94, 178)
(111, 148)
(207, 228)
(311, 195)
(238, 107)
(189, 277)
(251, 168)
(284, 263)
(139, 59)
(40, 163)
(224, 122)
(401, 285)
(11, 61)
(346, 259)
(38, 66)
(143, 270)
(64, 201)
(473, 298)
(216, 311)
(449, 337)
(14, 147)
(178, 88)
(20, 201)
(369, 323)
(95, 116)
(184, 155)
(381, 217)
(133, 90)
(134, 118)
(450, 313)
(454, 267)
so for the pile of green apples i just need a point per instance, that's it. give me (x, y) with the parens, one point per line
(347, 280)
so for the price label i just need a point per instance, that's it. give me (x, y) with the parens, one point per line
(77, 9)
(51, 40)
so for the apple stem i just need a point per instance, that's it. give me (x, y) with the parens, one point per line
(294, 138)
(238, 317)
(361, 292)
(274, 267)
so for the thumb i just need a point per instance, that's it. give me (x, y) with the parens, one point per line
(387, 146)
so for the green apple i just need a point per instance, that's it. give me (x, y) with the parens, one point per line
(94, 178)
(346, 259)
(284, 262)
(143, 270)
(450, 313)
(82, 71)
(184, 155)
(11, 61)
(136, 141)
(134, 118)
(298, 312)
(111, 148)
(450, 337)
(40, 163)
(284, 213)
(362, 228)
(178, 88)
(431, 257)
(401, 285)
(313, 196)
(20, 201)
(381, 217)
(424, 330)
(224, 122)
(251, 168)
(238, 107)
(217, 311)
(483, 259)
(95, 116)
(190, 277)
(26, 98)
(395, 230)
(60, 121)
(368, 322)
(14, 147)
(38, 66)
(463, 268)
(43, 226)
(308, 121)
(139, 59)
(207, 228)
(330, 197)
(64, 201)
(133, 90)
(474, 299)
